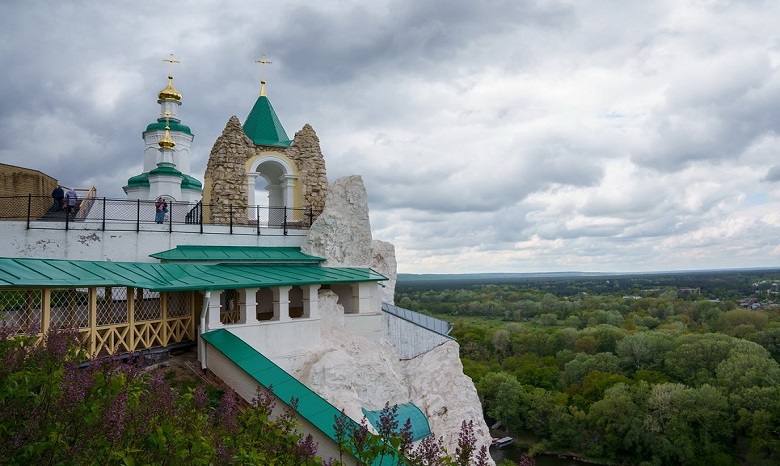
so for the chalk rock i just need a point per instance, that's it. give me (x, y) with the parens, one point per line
(383, 261)
(445, 394)
(352, 372)
(342, 234)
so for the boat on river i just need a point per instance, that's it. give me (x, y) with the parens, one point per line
(501, 442)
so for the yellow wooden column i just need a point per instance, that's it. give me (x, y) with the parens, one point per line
(194, 311)
(45, 310)
(92, 293)
(164, 317)
(131, 318)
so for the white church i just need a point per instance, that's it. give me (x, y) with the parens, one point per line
(276, 296)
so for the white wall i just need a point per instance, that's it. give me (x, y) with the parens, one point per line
(284, 343)
(85, 241)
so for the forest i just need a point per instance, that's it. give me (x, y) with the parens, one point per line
(625, 369)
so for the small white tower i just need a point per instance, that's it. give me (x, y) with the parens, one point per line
(164, 161)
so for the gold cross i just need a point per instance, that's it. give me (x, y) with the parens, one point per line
(263, 62)
(170, 61)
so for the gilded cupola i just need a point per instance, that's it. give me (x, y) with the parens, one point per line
(169, 93)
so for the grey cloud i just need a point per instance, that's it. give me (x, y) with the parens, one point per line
(409, 37)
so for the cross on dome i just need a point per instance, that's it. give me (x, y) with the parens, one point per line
(171, 61)
(262, 62)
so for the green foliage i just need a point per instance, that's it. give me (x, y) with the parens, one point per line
(656, 377)
(53, 411)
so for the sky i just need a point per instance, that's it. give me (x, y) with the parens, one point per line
(491, 136)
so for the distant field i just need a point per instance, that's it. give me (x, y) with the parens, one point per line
(721, 282)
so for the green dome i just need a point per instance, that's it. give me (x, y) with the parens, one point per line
(189, 182)
(172, 124)
(141, 180)
(170, 171)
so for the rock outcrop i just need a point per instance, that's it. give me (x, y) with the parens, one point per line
(342, 234)
(352, 372)
(383, 261)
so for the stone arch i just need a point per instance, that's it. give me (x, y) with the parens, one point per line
(283, 187)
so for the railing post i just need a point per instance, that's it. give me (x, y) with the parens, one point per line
(257, 218)
(231, 219)
(29, 209)
(104, 214)
(200, 217)
(284, 222)
(311, 215)
(138, 215)
(170, 218)
(67, 214)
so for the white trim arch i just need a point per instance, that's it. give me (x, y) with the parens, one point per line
(281, 179)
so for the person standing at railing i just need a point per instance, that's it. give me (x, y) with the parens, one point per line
(58, 195)
(71, 199)
(160, 208)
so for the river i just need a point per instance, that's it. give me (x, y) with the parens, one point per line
(514, 452)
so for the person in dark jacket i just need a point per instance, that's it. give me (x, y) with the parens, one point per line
(58, 195)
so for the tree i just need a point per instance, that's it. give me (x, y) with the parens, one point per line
(687, 425)
(742, 370)
(616, 423)
(576, 369)
(645, 350)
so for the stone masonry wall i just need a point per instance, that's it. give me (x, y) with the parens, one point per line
(305, 151)
(225, 174)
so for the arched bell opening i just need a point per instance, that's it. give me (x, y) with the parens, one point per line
(271, 186)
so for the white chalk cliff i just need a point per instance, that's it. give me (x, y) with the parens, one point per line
(353, 372)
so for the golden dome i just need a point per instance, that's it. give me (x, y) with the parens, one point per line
(169, 93)
(166, 142)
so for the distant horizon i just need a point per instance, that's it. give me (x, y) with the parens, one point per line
(583, 273)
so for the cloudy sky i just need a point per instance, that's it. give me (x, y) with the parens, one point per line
(492, 136)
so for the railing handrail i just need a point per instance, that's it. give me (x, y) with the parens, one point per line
(109, 213)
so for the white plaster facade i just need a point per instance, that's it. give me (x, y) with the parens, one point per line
(83, 241)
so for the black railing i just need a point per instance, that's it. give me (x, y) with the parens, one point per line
(136, 215)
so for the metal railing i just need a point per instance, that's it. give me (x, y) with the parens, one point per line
(126, 214)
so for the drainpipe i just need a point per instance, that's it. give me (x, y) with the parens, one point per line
(201, 342)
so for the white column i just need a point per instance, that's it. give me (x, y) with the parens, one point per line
(364, 300)
(282, 303)
(288, 183)
(249, 306)
(250, 189)
(212, 320)
(311, 303)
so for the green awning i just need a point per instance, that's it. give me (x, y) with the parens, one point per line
(254, 254)
(410, 411)
(310, 405)
(56, 273)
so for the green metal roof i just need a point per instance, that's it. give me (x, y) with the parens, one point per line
(420, 426)
(311, 406)
(263, 126)
(55, 273)
(138, 180)
(255, 254)
(165, 170)
(173, 125)
(188, 182)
